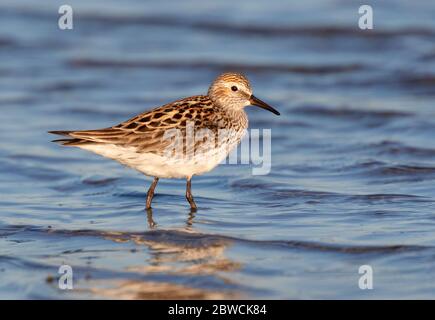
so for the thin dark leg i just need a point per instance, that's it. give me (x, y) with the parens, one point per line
(150, 193)
(150, 219)
(189, 196)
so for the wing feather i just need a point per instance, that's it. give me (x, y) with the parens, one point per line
(146, 131)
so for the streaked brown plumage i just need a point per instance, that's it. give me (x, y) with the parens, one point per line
(140, 142)
(145, 131)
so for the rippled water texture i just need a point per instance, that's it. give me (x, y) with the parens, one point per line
(353, 154)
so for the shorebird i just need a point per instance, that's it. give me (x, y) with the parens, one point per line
(149, 142)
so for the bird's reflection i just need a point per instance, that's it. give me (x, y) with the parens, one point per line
(183, 253)
(189, 221)
(152, 224)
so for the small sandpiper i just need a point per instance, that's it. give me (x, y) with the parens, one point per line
(148, 144)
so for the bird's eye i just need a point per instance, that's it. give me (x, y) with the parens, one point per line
(234, 88)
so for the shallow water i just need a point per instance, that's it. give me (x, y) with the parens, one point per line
(353, 156)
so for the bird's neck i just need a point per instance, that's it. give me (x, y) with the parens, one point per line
(238, 117)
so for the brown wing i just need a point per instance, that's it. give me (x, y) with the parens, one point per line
(146, 131)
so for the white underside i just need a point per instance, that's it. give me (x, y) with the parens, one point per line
(154, 165)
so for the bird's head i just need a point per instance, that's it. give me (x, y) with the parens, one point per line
(233, 91)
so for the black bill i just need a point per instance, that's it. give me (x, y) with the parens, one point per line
(257, 102)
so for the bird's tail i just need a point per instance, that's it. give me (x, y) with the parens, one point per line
(67, 142)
